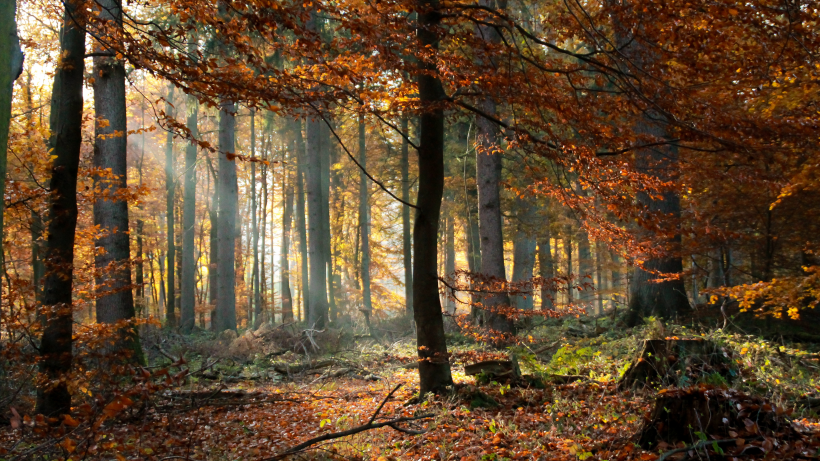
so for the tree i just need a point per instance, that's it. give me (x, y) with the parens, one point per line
(364, 226)
(407, 250)
(488, 177)
(189, 261)
(112, 261)
(226, 226)
(434, 365)
(53, 397)
(170, 194)
(10, 54)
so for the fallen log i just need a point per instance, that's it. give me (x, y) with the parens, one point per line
(288, 369)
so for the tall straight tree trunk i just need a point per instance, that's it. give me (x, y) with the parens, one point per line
(568, 259)
(327, 250)
(364, 225)
(287, 218)
(112, 260)
(12, 58)
(585, 268)
(53, 397)
(301, 226)
(434, 365)
(488, 177)
(667, 299)
(226, 227)
(263, 287)
(546, 267)
(189, 261)
(317, 286)
(524, 244)
(170, 192)
(213, 248)
(449, 249)
(140, 270)
(407, 248)
(256, 295)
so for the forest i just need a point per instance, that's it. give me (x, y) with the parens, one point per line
(471, 230)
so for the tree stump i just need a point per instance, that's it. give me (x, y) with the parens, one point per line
(696, 413)
(676, 362)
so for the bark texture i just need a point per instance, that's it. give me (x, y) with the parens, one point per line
(317, 286)
(112, 260)
(226, 228)
(434, 366)
(488, 177)
(65, 124)
(189, 260)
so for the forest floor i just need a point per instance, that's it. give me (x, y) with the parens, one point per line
(249, 399)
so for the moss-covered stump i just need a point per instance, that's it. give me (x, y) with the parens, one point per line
(700, 413)
(678, 362)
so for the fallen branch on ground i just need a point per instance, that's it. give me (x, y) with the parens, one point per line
(372, 424)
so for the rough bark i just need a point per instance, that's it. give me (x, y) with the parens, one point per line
(407, 248)
(189, 262)
(434, 366)
(65, 124)
(112, 260)
(12, 57)
(226, 227)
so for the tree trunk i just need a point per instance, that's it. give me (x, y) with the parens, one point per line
(407, 249)
(255, 312)
(226, 227)
(488, 178)
(546, 267)
(585, 268)
(213, 247)
(140, 275)
(317, 286)
(287, 218)
(434, 365)
(189, 260)
(112, 260)
(364, 224)
(65, 124)
(568, 256)
(301, 226)
(12, 57)
(599, 277)
(524, 245)
(449, 249)
(327, 251)
(170, 189)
